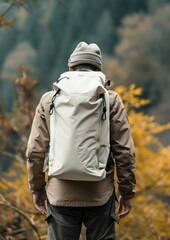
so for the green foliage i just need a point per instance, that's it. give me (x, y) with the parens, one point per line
(52, 29)
(156, 4)
(142, 57)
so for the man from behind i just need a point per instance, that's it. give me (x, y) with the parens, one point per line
(75, 198)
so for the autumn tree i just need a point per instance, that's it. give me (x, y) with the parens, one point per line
(19, 218)
(150, 216)
(139, 58)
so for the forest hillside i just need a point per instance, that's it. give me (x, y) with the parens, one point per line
(36, 40)
(133, 35)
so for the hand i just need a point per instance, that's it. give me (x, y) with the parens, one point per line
(39, 199)
(125, 206)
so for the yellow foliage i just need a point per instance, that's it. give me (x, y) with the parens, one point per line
(14, 186)
(151, 212)
(150, 215)
(4, 22)
(131, 96)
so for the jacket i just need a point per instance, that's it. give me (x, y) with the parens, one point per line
(82, 193)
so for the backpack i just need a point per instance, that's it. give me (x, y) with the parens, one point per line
(79, 127)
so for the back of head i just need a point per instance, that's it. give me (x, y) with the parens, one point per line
(86, 55)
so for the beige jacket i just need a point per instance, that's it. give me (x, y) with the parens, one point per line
(78, 193)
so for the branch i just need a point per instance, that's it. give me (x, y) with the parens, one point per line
(5, 203)
(34, 213)
(13, 156)
(21, 2)
(22, 230)
(8, 9)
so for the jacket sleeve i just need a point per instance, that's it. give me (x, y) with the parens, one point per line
(37, 148)
(122, 148)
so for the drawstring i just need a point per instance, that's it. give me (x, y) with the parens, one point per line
(107, 83)
(61, 78)
(103, 117)
(104, 107)
(55, 95)
(52, 103)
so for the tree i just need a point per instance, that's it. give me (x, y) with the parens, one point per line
(22, 53)
(142, 54)
(156, 4)
(104, 31)
(20, 219)
(150, 216)
(18, 216)
(57, 21)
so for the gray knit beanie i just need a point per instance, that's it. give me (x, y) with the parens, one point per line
(86, 54)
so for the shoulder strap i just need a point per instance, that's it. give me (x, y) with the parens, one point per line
(52, 102)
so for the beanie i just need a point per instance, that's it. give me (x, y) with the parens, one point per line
(86, 54)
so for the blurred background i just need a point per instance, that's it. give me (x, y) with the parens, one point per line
(36, 40)
(134, 36)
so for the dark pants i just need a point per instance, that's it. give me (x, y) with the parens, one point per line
(64, 223)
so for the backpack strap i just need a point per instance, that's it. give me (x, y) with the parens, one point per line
(103, 117)
(52, 102)
(55, 95)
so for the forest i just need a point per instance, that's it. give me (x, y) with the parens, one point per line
(36, 40)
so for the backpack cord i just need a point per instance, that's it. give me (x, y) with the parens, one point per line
(104, 108)
(107, 83)
(52, 103)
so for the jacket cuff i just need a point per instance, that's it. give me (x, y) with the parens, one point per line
(33, 191)
(128, 196)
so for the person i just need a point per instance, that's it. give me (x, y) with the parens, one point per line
(73, 203)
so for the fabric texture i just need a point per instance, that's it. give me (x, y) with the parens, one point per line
(66, 222)
(80, 193)
(71, 193)
(86, 54)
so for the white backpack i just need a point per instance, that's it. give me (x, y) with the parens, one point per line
(79, 127)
